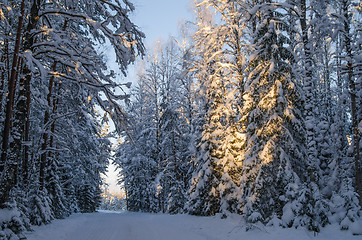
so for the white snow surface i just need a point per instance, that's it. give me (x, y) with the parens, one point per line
(105, 225)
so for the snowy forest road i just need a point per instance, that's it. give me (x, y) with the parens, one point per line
(116, 226)
(143, 226)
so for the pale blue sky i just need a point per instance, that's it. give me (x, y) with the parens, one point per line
(160, 18)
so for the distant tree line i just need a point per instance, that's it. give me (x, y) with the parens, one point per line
(112, 201)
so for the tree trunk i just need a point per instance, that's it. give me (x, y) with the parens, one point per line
(54, 110)
(27, 139)
(5, 59)
(43, 157)
(8, 168)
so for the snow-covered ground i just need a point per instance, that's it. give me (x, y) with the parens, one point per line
(141, 226)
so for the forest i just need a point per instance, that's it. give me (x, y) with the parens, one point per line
(254, 110)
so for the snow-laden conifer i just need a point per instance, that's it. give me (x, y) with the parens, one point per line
(274, 161)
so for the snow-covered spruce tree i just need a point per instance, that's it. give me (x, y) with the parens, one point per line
(274, 161)
(203, 198)
(234, 27)
(138, 155)
(213, 188)
(87, 151)
(173, 130)
(339, 129)
(339, 124)
(312, 34)
(189, 113)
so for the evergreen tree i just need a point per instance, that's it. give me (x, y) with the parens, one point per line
(274, 160)
(220, 73)
(138, 156)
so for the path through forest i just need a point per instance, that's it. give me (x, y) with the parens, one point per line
(141, 226)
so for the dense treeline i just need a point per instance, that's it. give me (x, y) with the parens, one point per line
(259, 114)
(54, 86)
